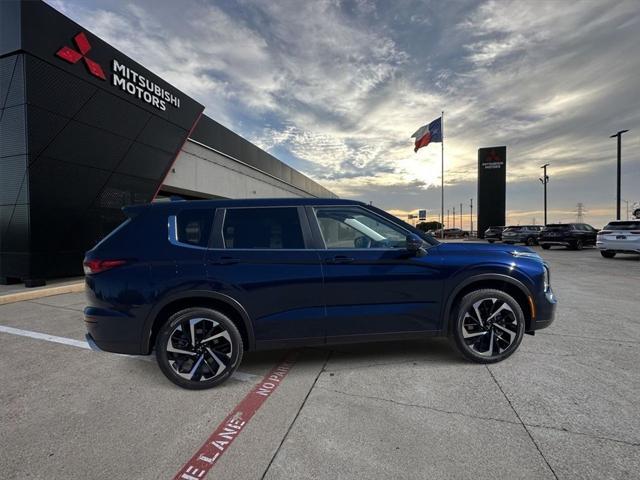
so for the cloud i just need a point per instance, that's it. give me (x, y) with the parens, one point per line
(335, 88)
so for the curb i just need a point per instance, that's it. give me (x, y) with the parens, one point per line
(41, 293)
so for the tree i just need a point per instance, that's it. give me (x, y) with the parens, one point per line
(426, 226)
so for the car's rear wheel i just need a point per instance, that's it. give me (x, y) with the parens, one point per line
(578, 245)
(530, 242)
(607, 253)
(198, 348)
(545, 246)
(491, 241)
(488, 326)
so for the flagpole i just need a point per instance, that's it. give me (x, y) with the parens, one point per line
(442, 175)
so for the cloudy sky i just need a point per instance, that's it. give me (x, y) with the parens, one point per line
(336, 88)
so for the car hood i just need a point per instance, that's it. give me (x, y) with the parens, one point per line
(486, 248)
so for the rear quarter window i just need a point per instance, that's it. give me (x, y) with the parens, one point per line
(193, 227)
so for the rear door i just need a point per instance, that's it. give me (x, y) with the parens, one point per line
(372, 284)
(260, 258)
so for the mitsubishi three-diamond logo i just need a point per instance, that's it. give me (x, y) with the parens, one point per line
(74, 56)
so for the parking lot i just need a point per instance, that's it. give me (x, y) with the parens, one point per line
(564, 406)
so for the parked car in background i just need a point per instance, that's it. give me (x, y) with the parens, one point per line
(575, 236)
(620, 236)
(493, 234)
(527, 234)
(454, 233)
(203, 281)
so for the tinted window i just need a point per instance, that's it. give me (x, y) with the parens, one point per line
(262, 228)
(558, 227)
(630, 225)
(194, 226)
(353, 227)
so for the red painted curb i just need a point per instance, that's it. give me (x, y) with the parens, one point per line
(225, 433)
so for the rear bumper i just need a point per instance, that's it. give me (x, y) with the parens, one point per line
(113, 331)
(619, 246)
(563, 243)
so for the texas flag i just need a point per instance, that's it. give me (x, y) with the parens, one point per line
(428, 133)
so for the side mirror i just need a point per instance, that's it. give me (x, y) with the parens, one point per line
(414, 244)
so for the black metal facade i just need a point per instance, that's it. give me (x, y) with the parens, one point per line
(492, 180)
(74, 148)
(75, 145)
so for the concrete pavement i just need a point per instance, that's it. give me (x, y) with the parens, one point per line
(564, 406)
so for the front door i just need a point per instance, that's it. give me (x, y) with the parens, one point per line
(262, 262)
(373, 285)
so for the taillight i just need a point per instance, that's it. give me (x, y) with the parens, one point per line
(97, 266)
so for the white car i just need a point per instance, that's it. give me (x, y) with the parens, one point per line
(620, 236)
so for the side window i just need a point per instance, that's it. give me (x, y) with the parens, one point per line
(193, 227)
(262, 228)
(354, 227)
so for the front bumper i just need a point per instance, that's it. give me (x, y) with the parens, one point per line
(545, 306)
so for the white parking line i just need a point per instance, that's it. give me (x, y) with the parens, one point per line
(46, 336)
(241, 376)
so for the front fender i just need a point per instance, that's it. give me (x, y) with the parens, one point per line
(468, 277)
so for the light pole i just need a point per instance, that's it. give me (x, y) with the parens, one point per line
(471, 215)
(447, 218)
(454, 217)
(619, 136)
(545, 180)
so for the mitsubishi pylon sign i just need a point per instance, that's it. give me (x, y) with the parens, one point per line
(492, 178)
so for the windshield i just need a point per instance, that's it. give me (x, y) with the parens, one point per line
(513, 229)
(630, 225)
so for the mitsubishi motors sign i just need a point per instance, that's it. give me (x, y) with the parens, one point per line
(122, 76)
(141, 87)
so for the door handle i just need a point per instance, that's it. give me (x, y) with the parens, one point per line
(341, 259)
(225, 261)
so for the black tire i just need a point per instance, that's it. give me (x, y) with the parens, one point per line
(491, 241)
(510, 322)
(530, 242)
(607, 253)
(545, 246)
(211, 354)
(577, 245)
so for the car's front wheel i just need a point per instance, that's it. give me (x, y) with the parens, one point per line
(488, 326)
(198, 348)
(545, 246)
(607, 253)
(530, 242)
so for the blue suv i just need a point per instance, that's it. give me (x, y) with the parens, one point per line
(204, 281)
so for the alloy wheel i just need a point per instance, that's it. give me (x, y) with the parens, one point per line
(490, 327)
(199, 349)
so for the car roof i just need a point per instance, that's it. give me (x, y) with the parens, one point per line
(245, 202)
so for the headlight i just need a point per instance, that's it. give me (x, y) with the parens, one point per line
(547, 278)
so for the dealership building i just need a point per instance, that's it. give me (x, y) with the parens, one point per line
(85, 130)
